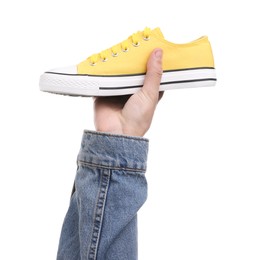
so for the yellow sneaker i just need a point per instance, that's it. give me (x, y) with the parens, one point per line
(120, 70)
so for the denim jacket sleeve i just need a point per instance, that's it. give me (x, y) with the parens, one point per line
(110, 187)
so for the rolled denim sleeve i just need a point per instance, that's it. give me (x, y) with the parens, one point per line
(110, 187)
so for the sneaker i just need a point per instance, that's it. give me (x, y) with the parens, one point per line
(120, 70)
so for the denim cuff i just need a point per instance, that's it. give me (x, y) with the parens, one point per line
(113, 151)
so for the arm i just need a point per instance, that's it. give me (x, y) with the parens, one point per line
(110, 184)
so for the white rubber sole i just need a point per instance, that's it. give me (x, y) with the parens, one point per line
(89, 85)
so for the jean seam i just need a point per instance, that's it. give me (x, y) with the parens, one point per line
(94, 165)
(99, 213)
(122, 136)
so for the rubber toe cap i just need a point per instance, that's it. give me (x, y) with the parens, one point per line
(65, 70)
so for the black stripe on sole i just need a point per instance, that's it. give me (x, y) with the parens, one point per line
(162, 83)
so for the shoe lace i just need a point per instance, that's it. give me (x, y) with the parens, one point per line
(123, 46)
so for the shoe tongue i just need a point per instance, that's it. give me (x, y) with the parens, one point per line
(157, 32)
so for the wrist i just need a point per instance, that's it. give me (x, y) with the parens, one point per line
(119, 131)
(121, 128)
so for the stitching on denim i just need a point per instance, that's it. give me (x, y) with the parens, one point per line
(99, 213)
(110, 167)
(136, 138)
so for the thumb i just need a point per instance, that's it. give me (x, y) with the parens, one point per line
(153, 75)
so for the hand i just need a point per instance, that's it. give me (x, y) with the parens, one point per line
(131, 115)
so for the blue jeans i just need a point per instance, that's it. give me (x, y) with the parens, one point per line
(109, 188)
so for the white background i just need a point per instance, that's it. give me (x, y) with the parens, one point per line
(201, 168)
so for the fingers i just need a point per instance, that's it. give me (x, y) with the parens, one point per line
(161, 95)
(153, 75)
(111, 101)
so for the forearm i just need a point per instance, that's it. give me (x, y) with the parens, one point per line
(110, 188)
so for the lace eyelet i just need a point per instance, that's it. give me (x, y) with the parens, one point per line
(125, 50)
(147, 38)
(104, 60)
(136, 44)
(114, 54)
(92, 63)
